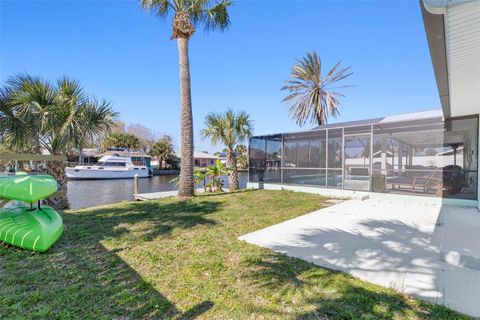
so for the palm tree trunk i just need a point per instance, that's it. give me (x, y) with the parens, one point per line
(320, 118)
(186, 185)
(233, 175)
(57, 170)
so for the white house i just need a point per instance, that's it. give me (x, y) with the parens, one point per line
(431, 153)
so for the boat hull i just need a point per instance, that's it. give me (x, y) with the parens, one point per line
(35, 230)
(96, 174)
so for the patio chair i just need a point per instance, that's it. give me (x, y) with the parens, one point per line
(433, 181)
(422, 178)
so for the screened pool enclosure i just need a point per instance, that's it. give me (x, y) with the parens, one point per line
(427, 156)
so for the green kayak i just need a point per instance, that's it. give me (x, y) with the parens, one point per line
(28, 227)
(27, 188)
(35, 229)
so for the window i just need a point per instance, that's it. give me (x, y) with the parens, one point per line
(112, 164)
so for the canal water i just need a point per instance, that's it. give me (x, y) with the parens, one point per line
(89, 193)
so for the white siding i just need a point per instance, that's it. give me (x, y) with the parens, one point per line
(462, 25)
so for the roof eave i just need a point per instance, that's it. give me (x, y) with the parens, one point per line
(435, 31)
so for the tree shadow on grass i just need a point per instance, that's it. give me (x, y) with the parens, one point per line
(152, 218)
(78, 278)
(227, 192)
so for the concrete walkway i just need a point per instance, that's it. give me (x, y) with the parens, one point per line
(422, 249)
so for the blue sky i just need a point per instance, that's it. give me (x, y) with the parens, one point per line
(125, 55)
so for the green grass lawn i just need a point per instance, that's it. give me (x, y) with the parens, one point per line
(172, 259)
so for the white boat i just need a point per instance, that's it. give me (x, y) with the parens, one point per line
(113, 166)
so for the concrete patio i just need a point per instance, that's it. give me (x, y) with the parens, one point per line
(424, 249)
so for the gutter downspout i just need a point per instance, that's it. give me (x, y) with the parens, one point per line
(441, 6)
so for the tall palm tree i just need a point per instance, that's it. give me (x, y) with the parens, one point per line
(228, 129)
(187, 14)
(56, 117)
(312, 97)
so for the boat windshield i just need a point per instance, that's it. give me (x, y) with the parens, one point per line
(112, 164)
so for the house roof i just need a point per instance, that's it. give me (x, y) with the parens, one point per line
(410, 116)
(89, 152)
(428, 114)
(203, 155)
(223, 155)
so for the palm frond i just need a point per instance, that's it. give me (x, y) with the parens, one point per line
(228, 129)
(160, 8)
(217, 17)
(311, 98)
(212, 15)
(58, 118)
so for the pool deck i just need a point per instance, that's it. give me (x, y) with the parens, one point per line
(427, 250)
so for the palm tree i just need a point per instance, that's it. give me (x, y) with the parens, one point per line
(241, 148)
(214, 174)
(187, 14)
(121, 140)
(56, 117)
(163, 150)
(228, 129)
(242, 152)
(311, 96)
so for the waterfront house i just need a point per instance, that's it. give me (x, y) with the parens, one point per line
(432, 153)
(203, 159)
(89, 156)
(411, 220)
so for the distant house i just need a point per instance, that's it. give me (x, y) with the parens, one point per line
(223, 158)
(89, 156)
(171, 164)
(202, 159)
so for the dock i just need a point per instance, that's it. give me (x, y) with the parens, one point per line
(154, 195)
(161, 194)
